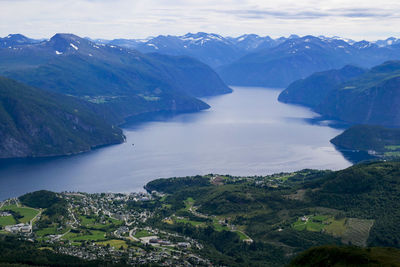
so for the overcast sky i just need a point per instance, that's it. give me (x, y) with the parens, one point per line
(357, 19)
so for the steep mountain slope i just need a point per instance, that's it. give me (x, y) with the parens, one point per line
(35, 123)
(312, 90)
(125, 80)
(371, 98)
(297, 58)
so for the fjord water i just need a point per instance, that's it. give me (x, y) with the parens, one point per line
(247, 132)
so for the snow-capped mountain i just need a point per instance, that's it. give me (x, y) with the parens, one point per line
(217, 50)
(388, 42)
(213, 49)
(297, 58)
(13, 40)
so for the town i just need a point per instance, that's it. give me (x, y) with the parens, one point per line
(101, 227)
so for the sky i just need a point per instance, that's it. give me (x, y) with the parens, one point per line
(110, 19)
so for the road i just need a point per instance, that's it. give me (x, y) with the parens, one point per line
(131, 235)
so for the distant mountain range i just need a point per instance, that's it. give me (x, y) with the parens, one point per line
(297, 58)
(352, 94)
(212, 49)
(252, 60)
(216, 50)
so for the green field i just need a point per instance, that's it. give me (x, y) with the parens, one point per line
(27, 213)
(189, 202)
(184, 220)
(113, 243)
(90, 222)
(7, 220)
(94, 235)
(50, 231)
(47, 231)
(242, 235)
(336, 227)
(219, 227)
(314, 224)
(86, 221)
(142, 233)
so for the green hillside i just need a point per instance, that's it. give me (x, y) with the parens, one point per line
(333, 256)
(286, 213)
(35, 123)
(376, 139)
(371, 98)
(315, 88)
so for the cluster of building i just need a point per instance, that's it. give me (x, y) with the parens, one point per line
(110, 204)
(161, 248)
(18, 228)
(5, 214)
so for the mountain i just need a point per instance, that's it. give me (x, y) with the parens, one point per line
(36, 123)
(297, 58)
(253, 42)
(212, 49)
(376, 139)
(371, 98)
(13, 40)
(312, 90)
(351, 94)
(387, 42)
(124, 80)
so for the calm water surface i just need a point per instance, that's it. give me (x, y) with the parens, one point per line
(247, 132)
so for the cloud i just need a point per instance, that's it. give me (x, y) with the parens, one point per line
(309, 14)
(357, 19)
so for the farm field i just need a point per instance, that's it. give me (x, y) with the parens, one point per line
(7, 220)
(27, 213)
(92, 235)
(115, 243)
